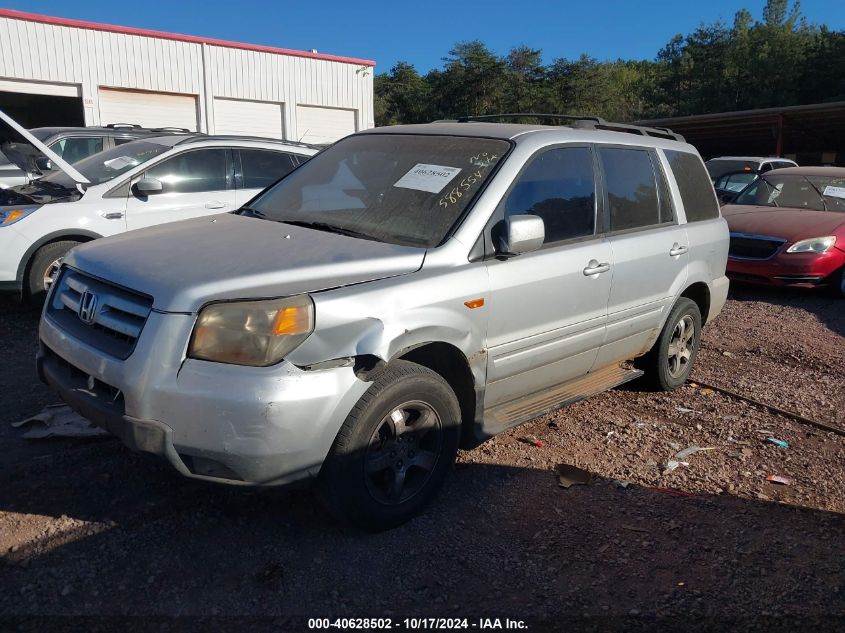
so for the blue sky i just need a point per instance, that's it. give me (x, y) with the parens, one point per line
(423, 32)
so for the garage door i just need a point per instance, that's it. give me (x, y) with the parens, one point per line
(252, 118)
(323, 125)
(150, 109)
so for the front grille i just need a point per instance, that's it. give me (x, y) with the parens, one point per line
(114, 323)
(106, 395)
(754, 246)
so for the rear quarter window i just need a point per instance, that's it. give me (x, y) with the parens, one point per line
(694, 185)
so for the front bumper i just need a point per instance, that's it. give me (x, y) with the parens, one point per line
(807, 270)
(240, 425)
(13, 249)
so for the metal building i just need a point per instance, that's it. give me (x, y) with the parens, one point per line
(812, 134)
(57, 71)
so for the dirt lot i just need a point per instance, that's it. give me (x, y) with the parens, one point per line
(89, 529)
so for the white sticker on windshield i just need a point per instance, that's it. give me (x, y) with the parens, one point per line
(431, 178)
(834, 192)
(120, 162)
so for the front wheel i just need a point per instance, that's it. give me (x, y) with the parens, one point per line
(44, 268)
(837, 284)
(394, 450)
(669, 363)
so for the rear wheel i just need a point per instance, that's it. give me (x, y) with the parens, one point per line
(44, 267)
(669, 363)
(394, 450)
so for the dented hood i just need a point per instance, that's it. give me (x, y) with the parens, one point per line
(790, 224)
(23, 149)
(184, 265)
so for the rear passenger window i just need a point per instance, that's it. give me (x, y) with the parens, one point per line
(262, 168)
(559, 187)
(631, 188)
(694, 185)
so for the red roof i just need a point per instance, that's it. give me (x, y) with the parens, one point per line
(127, 30)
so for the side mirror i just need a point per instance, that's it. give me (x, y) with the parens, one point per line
(522, 234)
(43, 164)
(147, 187)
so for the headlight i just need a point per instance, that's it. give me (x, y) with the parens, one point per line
(257, 333)
(813, 245)
(13, 215)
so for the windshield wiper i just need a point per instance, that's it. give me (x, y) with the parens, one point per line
(821, 195)
(249, 211)
(329, 228)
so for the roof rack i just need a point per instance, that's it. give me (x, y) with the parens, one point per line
(243, 137)
(115, 126)
(526, 115)
(581, 122)
(172, 129)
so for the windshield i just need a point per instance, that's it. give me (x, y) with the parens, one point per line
(717, 166)
(401, 189)
(820, 193)
(104, 166)
(735, 182)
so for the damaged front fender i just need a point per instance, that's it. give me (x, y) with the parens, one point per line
(387, 318)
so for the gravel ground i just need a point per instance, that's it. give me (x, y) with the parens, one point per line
(88, 528)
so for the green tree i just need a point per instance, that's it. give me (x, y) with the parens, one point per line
(473, 81)
(401, 96)
(525, 79)
(775, 61)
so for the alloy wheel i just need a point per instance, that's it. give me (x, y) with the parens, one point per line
(51, 272)
(681, 346)
(403, 452)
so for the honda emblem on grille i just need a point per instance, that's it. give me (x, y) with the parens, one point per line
(87, 307)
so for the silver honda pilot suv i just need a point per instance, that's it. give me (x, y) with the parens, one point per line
(408, 291)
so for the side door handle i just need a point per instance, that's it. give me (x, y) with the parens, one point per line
(215, 204)
(114, 215)
(595, 268)
(677, 249)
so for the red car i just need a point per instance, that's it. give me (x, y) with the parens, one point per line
(788, 229)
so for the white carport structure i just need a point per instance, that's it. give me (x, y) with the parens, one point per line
(57, 71)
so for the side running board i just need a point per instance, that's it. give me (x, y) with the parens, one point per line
(510, 414)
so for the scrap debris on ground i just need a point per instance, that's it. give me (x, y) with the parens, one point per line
(58, 420)
(751, 532)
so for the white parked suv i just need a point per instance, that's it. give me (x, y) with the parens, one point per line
(135, 185)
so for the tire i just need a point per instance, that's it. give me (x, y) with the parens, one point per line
(837, 284)
(44, 263)
(666, 373)
(384, 467)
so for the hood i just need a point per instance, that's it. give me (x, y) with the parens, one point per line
(23, 149)
(790, 224)
(183, 265)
